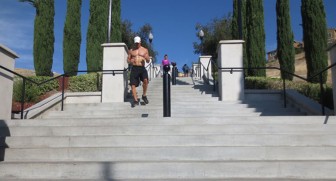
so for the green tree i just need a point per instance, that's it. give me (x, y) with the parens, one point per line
(96, 34)
(116, 35)
(285, 39)
(144, 34)
(72, 37)
(255, 37)
(235, 26)
(43, 36)
(127, 33)
(315, 37)
(216, 30)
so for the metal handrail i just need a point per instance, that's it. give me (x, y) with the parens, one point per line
(284, 80)
(44, 82)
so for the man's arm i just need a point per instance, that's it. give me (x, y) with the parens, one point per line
(129, 58)
(147, 57)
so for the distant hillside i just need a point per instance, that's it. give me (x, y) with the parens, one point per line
(27, 72)
(24, 72)
(300, 68)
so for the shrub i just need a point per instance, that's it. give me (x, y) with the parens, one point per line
(85, 83)
(33, 91)
(308, 89)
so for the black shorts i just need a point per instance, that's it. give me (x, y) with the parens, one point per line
(138, 73)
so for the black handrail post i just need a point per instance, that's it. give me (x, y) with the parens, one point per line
(150, 72)
(63, 78)
(214, 82)
(322, 94)
(284, 92)
(174, 74)
(200, 70)
(166, 92)
(23, 94)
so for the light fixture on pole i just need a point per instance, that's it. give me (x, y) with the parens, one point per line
(109, 23)
(201, 35)
(150, 37)
(240, 21)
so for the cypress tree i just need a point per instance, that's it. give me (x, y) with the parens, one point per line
(315, 37)
(72, 37)
(285, 39)
(116, 35)
(96, 34)
(43, 36)
(235, 26)
(255, 37)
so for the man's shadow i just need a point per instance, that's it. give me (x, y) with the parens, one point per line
(4, 132)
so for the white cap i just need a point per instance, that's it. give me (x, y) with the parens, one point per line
(137, 39)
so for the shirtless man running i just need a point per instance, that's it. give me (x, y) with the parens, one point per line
(137, 57)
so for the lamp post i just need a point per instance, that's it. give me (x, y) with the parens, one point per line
(240, 21)
(151, 37)
(201, 35)
(109, 23)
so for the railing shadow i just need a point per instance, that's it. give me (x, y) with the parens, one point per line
(4, 132)
(25, 80)
(107, 171)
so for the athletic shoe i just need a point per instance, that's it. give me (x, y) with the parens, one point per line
(144, 98)
(135, 103)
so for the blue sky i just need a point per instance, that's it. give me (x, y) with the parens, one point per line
(173, 23)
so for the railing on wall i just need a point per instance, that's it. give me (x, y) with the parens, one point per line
(25, 80)
(322, 91)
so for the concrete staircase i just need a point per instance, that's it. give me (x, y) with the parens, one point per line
(203, 140)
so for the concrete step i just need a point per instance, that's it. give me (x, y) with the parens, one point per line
(218, 140)
(170, 170)
(294, 129)
(178, 112)
(157, 154)
(224, 120)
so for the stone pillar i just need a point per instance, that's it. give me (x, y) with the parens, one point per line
(195, 67)
(149, 69)
(157, 69)
(206, 64)
(332, 52)
(231, 86)
(7, 57)
(115, 87)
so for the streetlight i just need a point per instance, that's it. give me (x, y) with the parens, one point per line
(201, 35)
(109, 23)
(151, 37)
(240, 22)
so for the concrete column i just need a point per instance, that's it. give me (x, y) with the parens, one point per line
(332, 52)
(149, 69)
(157, 69)
(231, 86)
(206, 67)
(7, 57)
(195, 67)
(115, 87)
